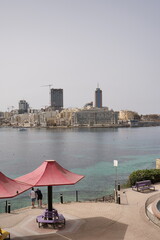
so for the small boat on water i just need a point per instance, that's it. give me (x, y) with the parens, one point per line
(22, 129)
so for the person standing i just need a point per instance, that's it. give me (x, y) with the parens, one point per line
(33, 197)
(39, 197)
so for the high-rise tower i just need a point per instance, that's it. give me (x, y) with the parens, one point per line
(98, 97)
(57, 99)
(23, 106)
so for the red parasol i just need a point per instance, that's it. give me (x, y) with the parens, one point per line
(10, 188)
(50, 173)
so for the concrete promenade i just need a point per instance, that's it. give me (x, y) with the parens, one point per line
(89, 220)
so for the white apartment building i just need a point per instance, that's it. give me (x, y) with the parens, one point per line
(94, 117)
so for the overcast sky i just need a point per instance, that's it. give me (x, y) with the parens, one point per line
(77, 44)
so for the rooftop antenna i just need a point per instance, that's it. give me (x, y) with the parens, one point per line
(97, 85)
(49, 85)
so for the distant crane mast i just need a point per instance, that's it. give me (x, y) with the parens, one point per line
(49, 85)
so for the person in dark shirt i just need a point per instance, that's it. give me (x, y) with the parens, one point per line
(39, 197)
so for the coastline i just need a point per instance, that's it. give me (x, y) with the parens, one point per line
(123, 125)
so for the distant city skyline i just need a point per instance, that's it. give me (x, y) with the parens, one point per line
(74, 45)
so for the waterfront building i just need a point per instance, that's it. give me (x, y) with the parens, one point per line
(35, 119)
(1, 115)
(64, 118)
(7, 115)
(98, 98)
(95, 117)
(151, 117)
(23, 107)
(126, 115)
(57, 99)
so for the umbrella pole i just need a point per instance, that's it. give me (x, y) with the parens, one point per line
(49, 198)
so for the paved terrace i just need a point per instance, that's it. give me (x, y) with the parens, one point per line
(89, 220)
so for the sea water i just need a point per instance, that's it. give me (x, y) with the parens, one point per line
(86, 151)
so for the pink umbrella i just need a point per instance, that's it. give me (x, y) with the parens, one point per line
(10, 188)
(50, 173)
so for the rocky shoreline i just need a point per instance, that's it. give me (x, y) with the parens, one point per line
(122, 125)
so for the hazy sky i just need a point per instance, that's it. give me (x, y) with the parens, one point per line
(76, 44)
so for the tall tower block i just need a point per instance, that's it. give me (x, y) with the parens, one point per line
(57, 98)
(98, 98)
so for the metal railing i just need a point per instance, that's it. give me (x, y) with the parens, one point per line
(64, 196)
(22, 201)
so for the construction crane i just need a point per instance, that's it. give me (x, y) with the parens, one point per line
(49, 85)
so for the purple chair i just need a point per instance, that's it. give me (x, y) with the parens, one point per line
(51, 217)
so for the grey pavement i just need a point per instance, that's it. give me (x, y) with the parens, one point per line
(89, 220)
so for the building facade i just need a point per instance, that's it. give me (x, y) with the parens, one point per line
(126, 115)
(23, 106)
(36, 119)
(95, 117)
(57, 99)
(98, 98)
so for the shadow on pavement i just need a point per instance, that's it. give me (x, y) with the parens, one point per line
(97, 228)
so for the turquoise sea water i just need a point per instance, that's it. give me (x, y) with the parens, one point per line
(84, 151)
